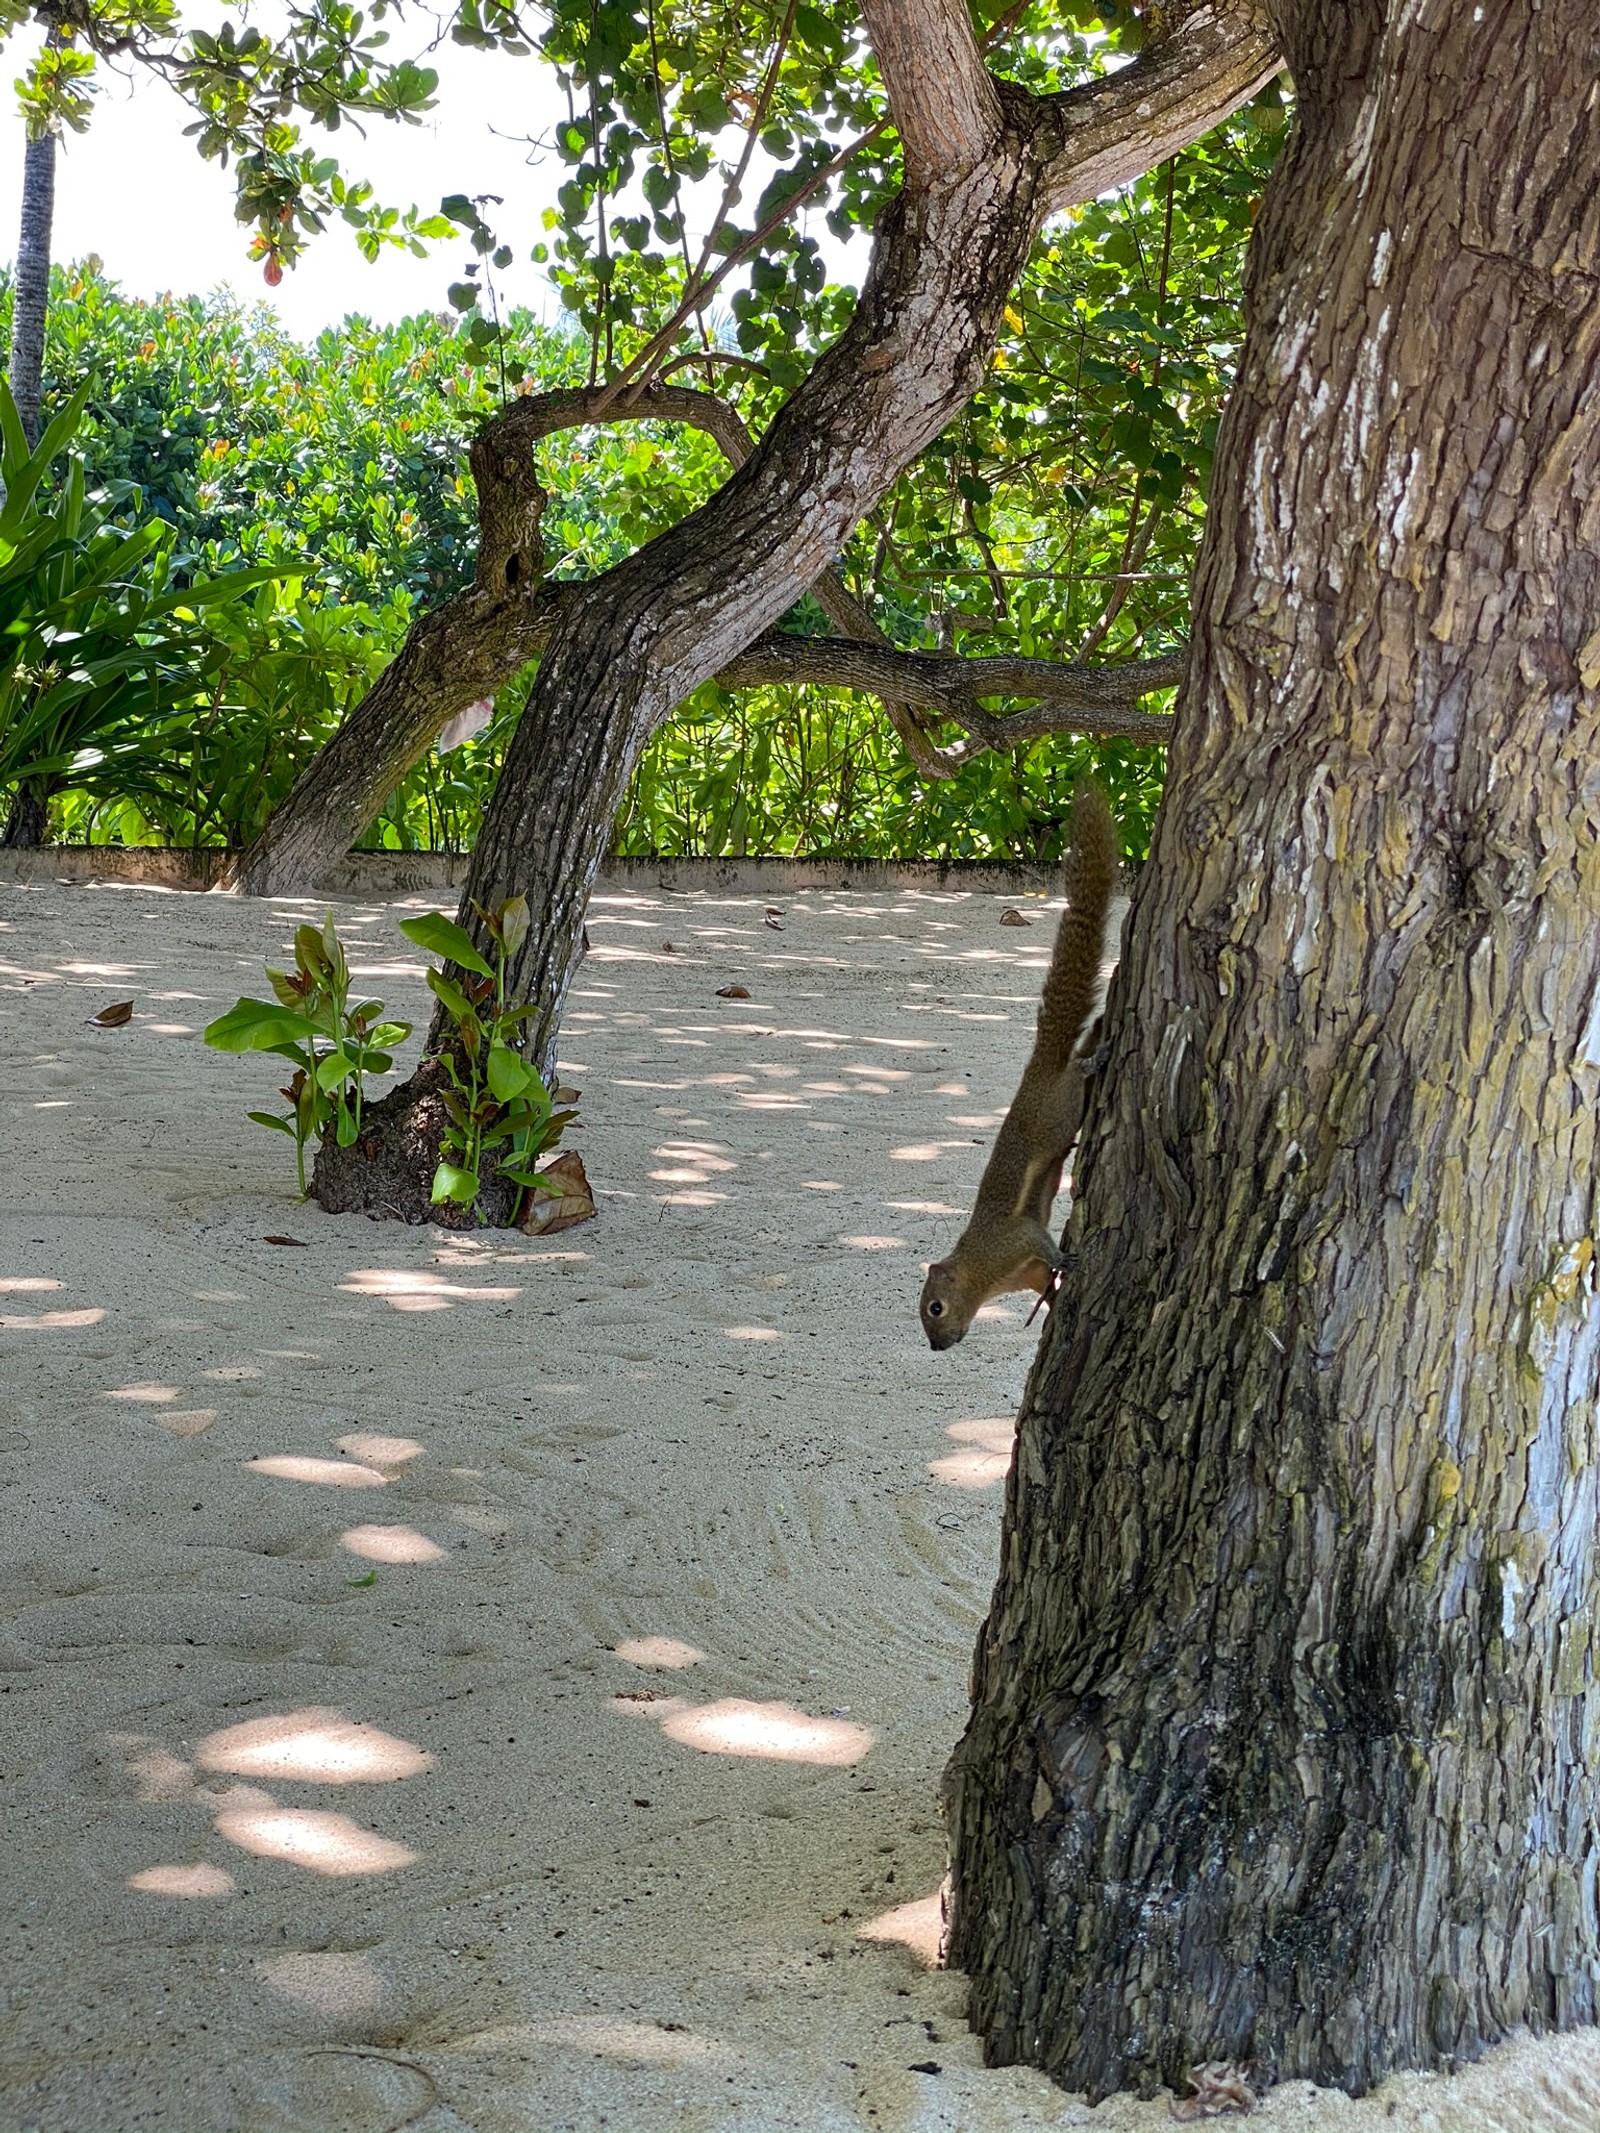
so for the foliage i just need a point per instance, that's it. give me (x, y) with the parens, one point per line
(311, 1022)
(249, 89)
(1058, 517)
(96, 641)
(494, 1096)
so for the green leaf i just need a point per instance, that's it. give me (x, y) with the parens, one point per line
(514, 923)
(334, 1068)
(278, 1125)
(256, 1026)
(508, 1074)
(442, 936)
(454, 999)
(452, 1183)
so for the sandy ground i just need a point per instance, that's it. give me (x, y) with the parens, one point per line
(460, 1682)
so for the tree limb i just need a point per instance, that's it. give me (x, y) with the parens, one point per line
(945, 105)
(1212, 56)
(1067, 698)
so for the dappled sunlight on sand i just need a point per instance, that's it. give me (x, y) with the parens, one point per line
(327, 1473)
(184, 1421)
(391, 1544)
(18, 1284)
(381, 1451)
(918, 1926)
(325, 1843)
(151, 1395)
(196, 1880)
(658, 1651)
(776, 1731)
(405, 1289)
(47, 1321)
(986, 1458)
(319, 1745)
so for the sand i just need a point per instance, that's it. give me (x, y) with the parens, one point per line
(469, 1682)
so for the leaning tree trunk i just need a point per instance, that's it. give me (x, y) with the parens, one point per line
(1285, 1710)
(985, 163)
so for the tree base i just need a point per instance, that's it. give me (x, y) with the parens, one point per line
(387, 1171)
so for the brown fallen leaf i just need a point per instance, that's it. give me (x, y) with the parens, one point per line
(773, 915)
(561, 1094)
(733, 992)
(1220, 2091)
(669, 948)
(1013, 917)
(114, 1016)
(547, 1212)
(286, 1240)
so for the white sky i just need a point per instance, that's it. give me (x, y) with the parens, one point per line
(135, 191)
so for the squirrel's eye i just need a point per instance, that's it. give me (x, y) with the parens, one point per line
(936, 1309)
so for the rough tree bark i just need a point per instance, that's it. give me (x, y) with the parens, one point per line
(985, 163)
(1285, 1710)
(30, 289)
(29, 812)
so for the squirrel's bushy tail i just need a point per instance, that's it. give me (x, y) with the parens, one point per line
(1072, 983)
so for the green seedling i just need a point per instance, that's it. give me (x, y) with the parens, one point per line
(333, 1045)
(495, 1100)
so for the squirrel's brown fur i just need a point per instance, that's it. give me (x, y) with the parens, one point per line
(1007, 1244)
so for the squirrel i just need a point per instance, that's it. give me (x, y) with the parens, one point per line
(1007, 1245)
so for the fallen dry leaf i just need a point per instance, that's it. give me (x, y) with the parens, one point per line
(733, 992)
(561, 1094)
(114, 1016)
(669, 948)
(547, 1212)
(1220, 2091)
(772, 918)
(286, 1240)
(1013, 917)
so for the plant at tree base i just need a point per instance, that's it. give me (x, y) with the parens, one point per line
(494, 1096)
(333, 1045)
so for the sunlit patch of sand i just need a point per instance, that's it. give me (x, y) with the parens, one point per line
(319, 1744)
(327, 1473)
(918, 1926)
(776, 1731)
(199, 1880)
(658, 1651)
(323, 1843)
(391, 1544)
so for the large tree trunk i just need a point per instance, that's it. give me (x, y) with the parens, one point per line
(1286, 1707)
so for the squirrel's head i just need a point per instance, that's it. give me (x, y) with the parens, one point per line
(946, 1309)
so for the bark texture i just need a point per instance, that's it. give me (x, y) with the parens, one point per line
(1285, 1712)
(31, 289)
